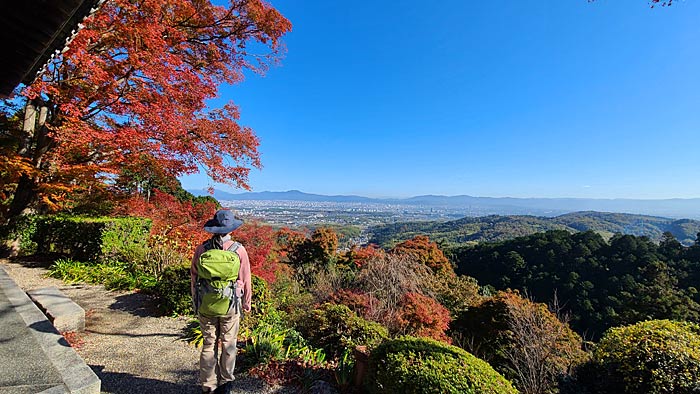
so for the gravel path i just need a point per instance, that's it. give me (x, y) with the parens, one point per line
(129, 347)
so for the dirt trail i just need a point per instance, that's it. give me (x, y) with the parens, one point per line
(126, 343)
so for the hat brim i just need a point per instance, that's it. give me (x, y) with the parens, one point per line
(212, 226)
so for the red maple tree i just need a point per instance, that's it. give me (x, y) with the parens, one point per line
(134, 83)
(259, 241)
(175, 223)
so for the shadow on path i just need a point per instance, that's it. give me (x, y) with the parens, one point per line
(137, 304)
(125, 383)
(36, 260)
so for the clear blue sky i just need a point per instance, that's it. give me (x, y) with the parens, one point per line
(521, 98)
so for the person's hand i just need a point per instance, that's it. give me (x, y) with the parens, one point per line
(246, 309)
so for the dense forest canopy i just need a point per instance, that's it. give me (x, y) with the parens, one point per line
(601, 283)
(500, 228)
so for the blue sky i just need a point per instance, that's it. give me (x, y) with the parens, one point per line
(520, 98)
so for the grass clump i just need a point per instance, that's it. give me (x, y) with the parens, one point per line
(114, 275)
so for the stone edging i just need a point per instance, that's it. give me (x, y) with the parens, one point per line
(76, 375)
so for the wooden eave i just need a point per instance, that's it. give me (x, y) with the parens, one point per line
(31, 32)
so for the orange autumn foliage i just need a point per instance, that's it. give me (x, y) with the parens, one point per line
(422, 250)
(136, 80)
(288, 240)
(422, 316)
(360, 256)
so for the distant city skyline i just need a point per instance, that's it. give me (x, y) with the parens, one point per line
(490, 99)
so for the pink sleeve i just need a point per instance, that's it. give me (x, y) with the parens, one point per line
(193, 268)
(245, 276)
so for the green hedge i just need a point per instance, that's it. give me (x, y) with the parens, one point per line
(81, 238)
(409, 365)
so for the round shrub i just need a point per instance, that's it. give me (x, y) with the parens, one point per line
(336, 328)
(409, 365)
(656, 356)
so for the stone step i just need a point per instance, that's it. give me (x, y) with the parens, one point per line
(65, 314)
(34, 357)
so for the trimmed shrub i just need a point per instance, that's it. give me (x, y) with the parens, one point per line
(409, 365)
(656, 356)
(336, 328)
(81, 238)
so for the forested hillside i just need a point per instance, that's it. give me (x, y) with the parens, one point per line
(601, 283)
(499, 228)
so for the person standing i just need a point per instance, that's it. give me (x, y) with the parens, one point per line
(218, 303)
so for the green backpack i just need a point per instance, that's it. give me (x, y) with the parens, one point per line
(217, 271)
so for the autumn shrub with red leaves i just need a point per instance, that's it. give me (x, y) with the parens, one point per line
(260, 242)
(421, 249)
(292, 373)
(422, 316)
(358, 301)
(359, 256)
(176, 224)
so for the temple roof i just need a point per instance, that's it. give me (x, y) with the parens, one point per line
(31, 31)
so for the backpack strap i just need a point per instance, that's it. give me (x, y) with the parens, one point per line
(229, 245)
(209, 244)
(232, 246)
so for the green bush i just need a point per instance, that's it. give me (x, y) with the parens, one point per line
(336, 328)
(410, 365)
(173, 290)
(81, 238)
(157, 257)
(290, 298)
(656, 356)
(22, 230)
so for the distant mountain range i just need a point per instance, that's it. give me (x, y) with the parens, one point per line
(480, 206)
(499, 228)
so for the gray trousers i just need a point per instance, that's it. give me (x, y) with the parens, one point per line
(218, 358)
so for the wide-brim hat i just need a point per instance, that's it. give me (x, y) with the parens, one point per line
(224, 222)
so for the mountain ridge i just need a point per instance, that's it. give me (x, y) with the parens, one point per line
(672, 207)
(503, 227)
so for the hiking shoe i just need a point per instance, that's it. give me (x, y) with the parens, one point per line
(224, 388)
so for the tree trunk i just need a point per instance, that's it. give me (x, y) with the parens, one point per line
(34, 144)
(25, 195)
